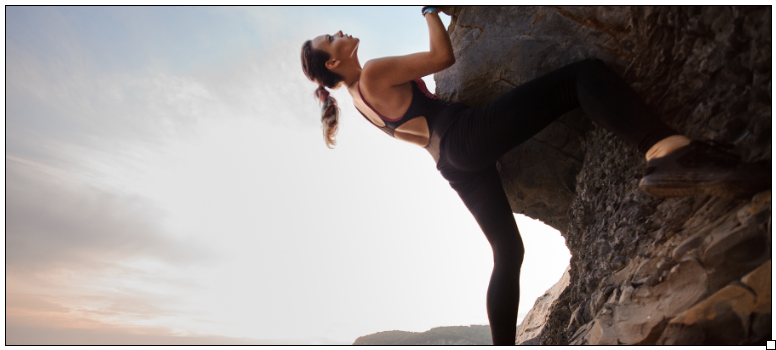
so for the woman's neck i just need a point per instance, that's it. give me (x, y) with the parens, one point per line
(352, 76)
(351, 71)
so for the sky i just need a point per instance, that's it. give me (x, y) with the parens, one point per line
(167, 182)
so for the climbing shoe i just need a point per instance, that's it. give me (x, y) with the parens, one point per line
(704, 168)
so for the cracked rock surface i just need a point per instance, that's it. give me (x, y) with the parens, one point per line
(692, 270)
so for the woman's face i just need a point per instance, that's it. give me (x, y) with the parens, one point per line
(340, 46)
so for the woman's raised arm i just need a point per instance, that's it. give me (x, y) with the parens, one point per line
(397, 70)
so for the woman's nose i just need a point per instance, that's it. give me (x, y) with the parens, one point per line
(340, 33)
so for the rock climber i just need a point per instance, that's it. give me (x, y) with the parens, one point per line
(466, 142)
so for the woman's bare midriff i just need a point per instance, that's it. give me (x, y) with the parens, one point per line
(414, 131)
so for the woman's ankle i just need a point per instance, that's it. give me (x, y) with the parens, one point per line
(667, 145)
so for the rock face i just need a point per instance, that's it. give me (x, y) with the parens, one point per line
(529, 331)
(692, 270)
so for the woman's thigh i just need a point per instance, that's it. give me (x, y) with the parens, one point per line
(484, 196)
(479, 136)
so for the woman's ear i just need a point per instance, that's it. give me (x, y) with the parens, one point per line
(332, 63)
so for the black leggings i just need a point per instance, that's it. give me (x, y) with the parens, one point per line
(477, 137)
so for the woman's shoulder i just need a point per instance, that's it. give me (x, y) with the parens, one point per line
(373, 76)
(369, 73)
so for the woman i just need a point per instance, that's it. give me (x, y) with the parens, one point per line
(466, 142)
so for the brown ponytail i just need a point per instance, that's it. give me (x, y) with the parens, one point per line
(313, 66)
(329, 115)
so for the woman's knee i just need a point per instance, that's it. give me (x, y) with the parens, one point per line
(511, 253)
(596, 74)
(594, 65)
(519, 251)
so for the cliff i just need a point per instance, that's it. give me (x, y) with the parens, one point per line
(454, 335)
(692, 270)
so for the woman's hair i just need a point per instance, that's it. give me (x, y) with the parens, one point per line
(313, 65)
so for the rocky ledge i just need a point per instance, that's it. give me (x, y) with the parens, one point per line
(692, 270)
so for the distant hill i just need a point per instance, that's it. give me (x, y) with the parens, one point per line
(454, 335)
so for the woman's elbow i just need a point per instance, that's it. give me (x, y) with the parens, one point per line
(448, 61)
(440, 62)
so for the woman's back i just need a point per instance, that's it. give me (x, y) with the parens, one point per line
(422, 123)
(380, 101)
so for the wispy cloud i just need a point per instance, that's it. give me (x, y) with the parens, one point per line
(54, 224)
(78, 256)
(61, 102)
(32, 320)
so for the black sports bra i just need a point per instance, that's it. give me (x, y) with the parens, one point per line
(438, 113)
(424, 104)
